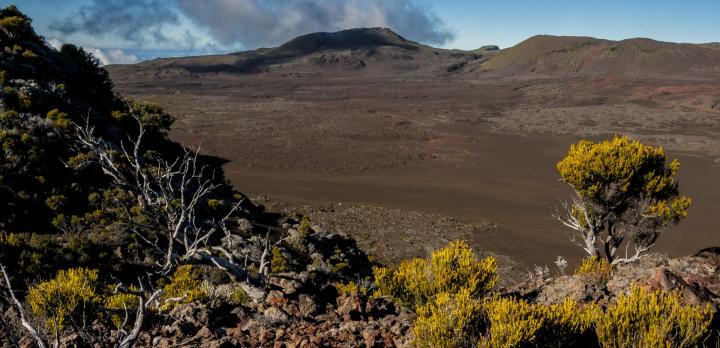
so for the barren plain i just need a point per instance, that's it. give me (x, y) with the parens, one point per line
(406, 148)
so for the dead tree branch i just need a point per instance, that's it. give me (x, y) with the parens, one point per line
(23, 319)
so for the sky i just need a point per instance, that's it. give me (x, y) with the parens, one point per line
(128, 31)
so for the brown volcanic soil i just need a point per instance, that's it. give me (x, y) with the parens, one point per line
(437, 138)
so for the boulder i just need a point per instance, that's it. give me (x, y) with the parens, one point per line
(307, 305)
(276, 314)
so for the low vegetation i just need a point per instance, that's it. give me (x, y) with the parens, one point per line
(69, 297)
(451, 269)
(185, 286)
(595, 270)
(653, 319)
(111, 226)
(450, 320)
(517, 323)
(461, 316)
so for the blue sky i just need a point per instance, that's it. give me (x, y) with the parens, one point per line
(132, 30)
(509, 22)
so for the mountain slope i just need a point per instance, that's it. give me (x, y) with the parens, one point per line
(563, 56)
(382, 52)
(342, 40)
(368, 49)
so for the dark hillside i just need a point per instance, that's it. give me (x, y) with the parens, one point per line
(52, 193)
(379, 50)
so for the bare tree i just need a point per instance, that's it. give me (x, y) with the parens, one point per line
(585, 225)
(170, 194)
(126, 339)
(21, 311)
(597, 232)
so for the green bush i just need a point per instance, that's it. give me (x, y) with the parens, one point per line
(279, 261)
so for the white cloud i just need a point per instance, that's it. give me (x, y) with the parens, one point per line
(105, 56)
(112, 56)
(55, 43)
(255, 23)
(232, 24)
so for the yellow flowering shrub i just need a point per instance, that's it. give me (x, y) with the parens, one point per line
(70, 293)
(449, 270)
(512, 322)
(653, 319)
(213, 203)
(672, 211)
(614, 177)
(184, 287)
(118, 303)
(9, 239)
(566, 324)
(517, 323)
(595, 270)
(351, 289)
(449, 320)
(590, 167)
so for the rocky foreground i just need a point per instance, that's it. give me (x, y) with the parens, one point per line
(296, 313)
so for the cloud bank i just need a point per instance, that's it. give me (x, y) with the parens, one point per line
(104, 56)
(138, 21)
(112, 56)
(232, 24)
(257, 23)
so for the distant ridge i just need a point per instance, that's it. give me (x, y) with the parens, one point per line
(343, 40)
(382, 51)
(569, 55)
(347, 50)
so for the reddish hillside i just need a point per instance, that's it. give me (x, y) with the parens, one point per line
(382, 52)
(564, 55)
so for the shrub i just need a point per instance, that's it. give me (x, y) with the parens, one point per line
(305, 227)
(653, 319)
(120, 304)
(9, 239)
(185, 287)
(450, 320)
(595, 270)
(351, 289)
(625, 192)
(70, 293)
(516, 323)
(449, 270)
(565, 325)
(232, 294)
(279, 261)
(512, 322)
